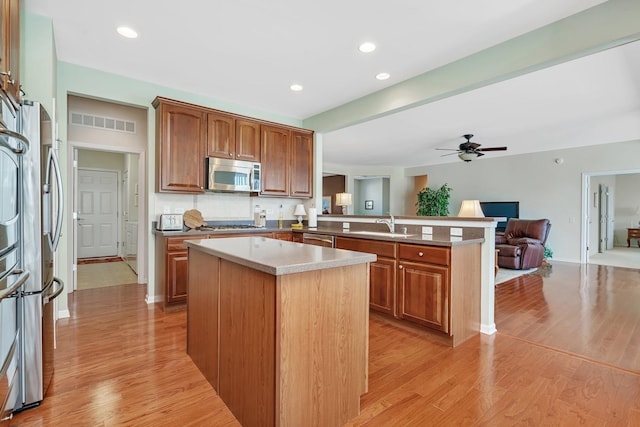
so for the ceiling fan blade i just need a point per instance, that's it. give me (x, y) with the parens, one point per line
(447, 149)
(478, 153)
(492, 149)
(449, 154)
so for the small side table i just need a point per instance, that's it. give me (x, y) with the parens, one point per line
(633, 233)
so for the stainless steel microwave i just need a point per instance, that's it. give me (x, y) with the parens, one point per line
(233, 175)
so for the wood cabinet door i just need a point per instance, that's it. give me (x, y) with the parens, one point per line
(382, 285)
(181, 154)
(275, 161)
(301, 184)
(286, 235)
(248, 140)
(10, 53)
(177, 265)
(221, 136)
(424, 294)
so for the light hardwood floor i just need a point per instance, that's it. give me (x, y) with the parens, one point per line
(566, 354)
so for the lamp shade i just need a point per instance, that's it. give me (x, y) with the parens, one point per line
(299, 211)
(471, 208)
(343, 199)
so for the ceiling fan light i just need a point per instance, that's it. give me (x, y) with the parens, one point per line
(467, 157)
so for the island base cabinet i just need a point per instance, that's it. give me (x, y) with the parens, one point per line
(202, 314)
(291, 350)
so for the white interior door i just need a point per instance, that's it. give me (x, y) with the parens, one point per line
(97, 213)
(604, 218)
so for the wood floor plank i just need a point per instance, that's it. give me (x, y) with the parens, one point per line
(566, 353)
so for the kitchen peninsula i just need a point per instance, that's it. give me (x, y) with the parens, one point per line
(280, 329)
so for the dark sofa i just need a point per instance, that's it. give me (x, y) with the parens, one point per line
(522, 245)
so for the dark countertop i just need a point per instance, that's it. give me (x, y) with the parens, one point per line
(438, 238)
(196, 233)
(278, 257)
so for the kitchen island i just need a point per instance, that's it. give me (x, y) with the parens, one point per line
(280, 329)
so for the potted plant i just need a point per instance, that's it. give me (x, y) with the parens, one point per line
(434, 202)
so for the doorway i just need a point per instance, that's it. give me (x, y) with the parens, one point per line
(610, 205)
(107, 136)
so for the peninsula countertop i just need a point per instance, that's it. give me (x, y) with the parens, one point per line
(438, 237)
(278, 257)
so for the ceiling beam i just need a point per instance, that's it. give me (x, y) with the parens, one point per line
(609, 24)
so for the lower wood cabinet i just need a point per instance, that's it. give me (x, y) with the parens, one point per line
(172, 261)
(429, 286)
(382, 272)
(177, 276)
(424, 294)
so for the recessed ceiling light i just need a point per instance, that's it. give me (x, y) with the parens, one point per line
(127, 32)
(296, 87)
(383, 76)
(367, 47)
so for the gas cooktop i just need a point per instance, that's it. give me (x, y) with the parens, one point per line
(228, 227)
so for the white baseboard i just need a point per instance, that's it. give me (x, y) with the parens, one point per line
(488, 329)
(152, 299)
(63, 314)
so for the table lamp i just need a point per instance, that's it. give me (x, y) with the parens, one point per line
(299, 212)
(471, 208)
(344, 200)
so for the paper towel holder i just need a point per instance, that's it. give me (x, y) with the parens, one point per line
(312, 218)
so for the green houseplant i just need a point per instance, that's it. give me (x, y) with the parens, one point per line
(434, 202)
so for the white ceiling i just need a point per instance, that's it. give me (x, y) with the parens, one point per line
(249, 52)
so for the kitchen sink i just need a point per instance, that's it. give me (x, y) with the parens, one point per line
(381, 234)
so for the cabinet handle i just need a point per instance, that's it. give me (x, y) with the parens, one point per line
(400, 267)
(230, 154)
(420, 254)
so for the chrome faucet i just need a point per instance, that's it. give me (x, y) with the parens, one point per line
(391, 223)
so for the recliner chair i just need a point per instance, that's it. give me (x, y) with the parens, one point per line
(522, 245)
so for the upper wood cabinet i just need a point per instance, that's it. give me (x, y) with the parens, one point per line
(248, 140)
(180, 147)
(10, 49)
(231, 138)
(187, 134)
(276, 157)
(287, 162)
(301, 181)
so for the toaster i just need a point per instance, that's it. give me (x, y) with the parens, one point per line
(170, 222)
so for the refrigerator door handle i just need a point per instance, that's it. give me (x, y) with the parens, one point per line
(11, 291)
(23, 140)
(46, 299)
(52, 162)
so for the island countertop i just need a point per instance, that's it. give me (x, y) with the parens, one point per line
(278, 257)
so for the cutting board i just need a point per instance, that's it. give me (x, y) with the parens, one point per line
(193, 218)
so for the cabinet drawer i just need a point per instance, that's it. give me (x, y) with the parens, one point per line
(386, 249)
(177, 243)
(429, 254)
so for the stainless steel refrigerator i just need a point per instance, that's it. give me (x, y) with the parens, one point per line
(42, 223)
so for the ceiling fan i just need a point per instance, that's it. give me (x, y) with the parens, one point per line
(468, 150)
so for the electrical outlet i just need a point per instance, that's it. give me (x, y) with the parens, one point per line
(345, 225)
(427, 230)
(455, 231)
(179, 210)
(269, 211)
(166, 210)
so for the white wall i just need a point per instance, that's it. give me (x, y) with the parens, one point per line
(544, 188)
